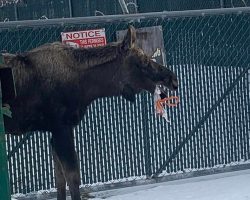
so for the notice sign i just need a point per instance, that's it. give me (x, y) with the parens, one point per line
(88, 38)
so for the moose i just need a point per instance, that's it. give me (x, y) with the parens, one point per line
(55, 83)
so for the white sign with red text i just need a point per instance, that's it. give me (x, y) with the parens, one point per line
(87, 38)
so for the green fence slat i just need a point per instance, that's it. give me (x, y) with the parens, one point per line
(4, 178)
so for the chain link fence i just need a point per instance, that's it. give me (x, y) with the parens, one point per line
(173, 5)
(118, 142)
(41, 9)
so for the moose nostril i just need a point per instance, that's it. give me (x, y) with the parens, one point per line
(175, 84)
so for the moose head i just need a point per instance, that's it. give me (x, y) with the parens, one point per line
(140, 72)
(130, 71)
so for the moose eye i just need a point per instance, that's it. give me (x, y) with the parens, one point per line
(146, 61)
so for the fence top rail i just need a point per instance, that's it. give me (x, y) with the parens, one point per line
(123, 18)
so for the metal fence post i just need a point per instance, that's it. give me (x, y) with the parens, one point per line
(16, 12)
(4, 178)
(70, 9)
(146, 137)
(222, 3)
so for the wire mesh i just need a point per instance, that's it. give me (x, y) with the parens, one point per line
(42, 9)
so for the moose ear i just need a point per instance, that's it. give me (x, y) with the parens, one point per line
(8, 57)
(129, 39)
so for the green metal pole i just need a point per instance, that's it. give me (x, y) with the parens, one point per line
(4, 176)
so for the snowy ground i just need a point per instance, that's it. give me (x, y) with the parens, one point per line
(223, 186)
(226, 186)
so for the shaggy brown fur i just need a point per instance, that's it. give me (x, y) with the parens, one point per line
(55, 84)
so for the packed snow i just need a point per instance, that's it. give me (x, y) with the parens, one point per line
(225, 186)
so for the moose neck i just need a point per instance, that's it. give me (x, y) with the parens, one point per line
(92, 57)
(102, 81)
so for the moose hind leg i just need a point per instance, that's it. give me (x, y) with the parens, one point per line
(63, 145)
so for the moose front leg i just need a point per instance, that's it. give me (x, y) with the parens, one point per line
(59, 176)
(66, 162)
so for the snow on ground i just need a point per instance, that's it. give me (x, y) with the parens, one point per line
(225, 186)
